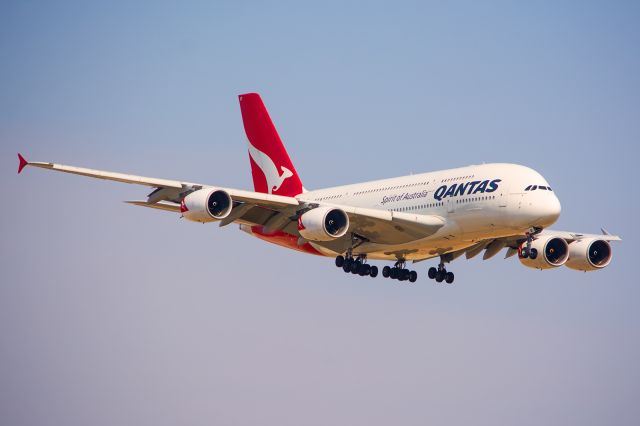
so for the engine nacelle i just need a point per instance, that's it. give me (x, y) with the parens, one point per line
(206, 205)
(323, 224)
(551, 252)
(589, 254)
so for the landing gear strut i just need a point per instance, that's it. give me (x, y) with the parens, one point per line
(527, 251)
(440, 274)
(357, 266)
(399, 272)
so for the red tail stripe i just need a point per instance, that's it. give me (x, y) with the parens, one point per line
(280, 177)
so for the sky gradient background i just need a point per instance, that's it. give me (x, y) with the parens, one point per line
(112, 314)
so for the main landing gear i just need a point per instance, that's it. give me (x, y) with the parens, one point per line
(356, 266)
(398, 272)
(440, 274)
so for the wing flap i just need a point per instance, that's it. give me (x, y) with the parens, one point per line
(161, 205)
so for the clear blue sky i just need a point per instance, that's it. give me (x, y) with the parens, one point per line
(111, 314)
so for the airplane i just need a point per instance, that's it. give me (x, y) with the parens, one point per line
(442, 214)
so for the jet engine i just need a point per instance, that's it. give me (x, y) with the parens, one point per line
(546, 252)
(589, 254)
(206, 205)
(323, 224)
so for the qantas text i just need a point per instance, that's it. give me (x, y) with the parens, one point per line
(466, 188)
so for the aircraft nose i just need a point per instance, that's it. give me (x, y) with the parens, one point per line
(552, 208)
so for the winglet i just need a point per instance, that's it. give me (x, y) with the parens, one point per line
(604, 231)
(22, 164)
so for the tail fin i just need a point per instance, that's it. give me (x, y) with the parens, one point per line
(271, 167)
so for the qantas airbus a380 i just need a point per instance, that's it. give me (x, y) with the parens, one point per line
(441, 214)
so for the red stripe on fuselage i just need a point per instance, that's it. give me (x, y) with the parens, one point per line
(283, 239)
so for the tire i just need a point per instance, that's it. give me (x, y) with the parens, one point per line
(347, 266)
(406, 274)
(449, 277)
(373, 272)
(432, 273)
(533, 253)
(413, 276)
(439, 276)
(386, 271)
(525, 253)
(355, 266)
(365, 270)
(339, 261)
(394, 273)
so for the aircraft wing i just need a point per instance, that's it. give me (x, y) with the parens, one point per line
(166, 191)
(387, 227)
(273, 212)
(493, 246)
(575, 236)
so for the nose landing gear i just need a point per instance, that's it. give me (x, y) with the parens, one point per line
(527, 251)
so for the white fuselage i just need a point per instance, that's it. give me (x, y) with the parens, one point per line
(486, 201)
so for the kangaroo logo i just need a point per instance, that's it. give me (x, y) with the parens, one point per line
(266, 164)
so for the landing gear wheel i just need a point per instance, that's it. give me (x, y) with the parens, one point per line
(373, 272)
(449, 277)
(413, 276)
(394, 273)
(525, 253)
(386, 271)
(440, 275)
(339, 261)
(432, 272)
(364, 270)
(406, 274)
(346, 267)
(533, 253)
(355, 266)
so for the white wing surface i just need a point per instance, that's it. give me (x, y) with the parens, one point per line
(274, 212)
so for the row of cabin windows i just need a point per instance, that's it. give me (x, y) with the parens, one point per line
(389, 188)
(456, 178)
(534, 187)
(330, 197)
(472, 199)
(421, 206)
(427, 206)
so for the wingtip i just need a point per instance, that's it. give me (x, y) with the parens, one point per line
(23, 163)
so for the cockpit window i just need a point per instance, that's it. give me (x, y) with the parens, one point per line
(534, 187)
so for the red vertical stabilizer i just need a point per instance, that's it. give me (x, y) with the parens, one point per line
(271, 167)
